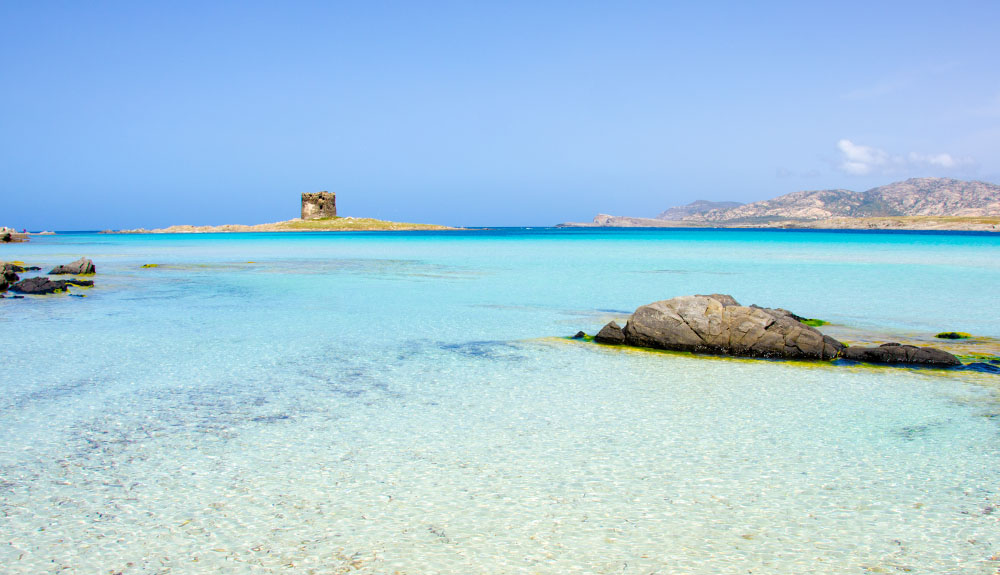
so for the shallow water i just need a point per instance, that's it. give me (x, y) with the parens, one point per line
(405, 403)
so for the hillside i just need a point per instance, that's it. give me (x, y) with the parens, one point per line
(695, 208)
(917, 203)
(913, 197)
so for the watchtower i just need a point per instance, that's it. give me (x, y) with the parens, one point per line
(318, 206)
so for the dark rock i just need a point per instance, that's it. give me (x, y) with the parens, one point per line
(610, 334)
(43, 285)
(79, 267)
(8, 275)
(718, 324)
(953, 335)
(894, 353)
(9, 272)
(579, 335)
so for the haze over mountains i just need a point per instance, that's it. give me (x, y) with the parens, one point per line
(916, 199)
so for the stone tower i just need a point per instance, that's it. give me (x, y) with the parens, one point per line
(319, 206)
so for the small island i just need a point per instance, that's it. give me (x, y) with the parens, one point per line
(319, 214)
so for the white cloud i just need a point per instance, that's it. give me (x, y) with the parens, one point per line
(859, 160)
(943, 160)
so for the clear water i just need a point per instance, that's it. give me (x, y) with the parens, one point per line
(404, 403)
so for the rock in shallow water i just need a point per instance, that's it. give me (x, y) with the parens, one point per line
(43, 285)
(81, 266)
(8, 275)
(610, 334)
(718, 324)
(895, 353)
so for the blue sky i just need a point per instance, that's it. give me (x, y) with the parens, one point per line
(127, 114)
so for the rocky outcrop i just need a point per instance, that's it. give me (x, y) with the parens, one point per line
(8, 235)
(44, 285)
(718, 324)
(892, 353)
(610, 334)
(319, 206)
(82, 266)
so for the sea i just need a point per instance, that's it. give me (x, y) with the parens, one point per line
(412, 403)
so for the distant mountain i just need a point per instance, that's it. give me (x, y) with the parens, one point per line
(695, 208)
(914, 197)
(917, 203)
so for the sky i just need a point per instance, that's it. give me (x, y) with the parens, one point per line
(147, 114)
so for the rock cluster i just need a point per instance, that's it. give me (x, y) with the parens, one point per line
(41, 285)
(718, 324)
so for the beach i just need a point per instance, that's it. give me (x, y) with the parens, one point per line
(411, 402)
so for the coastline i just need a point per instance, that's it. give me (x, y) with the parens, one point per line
(339, 224)
(915, 223)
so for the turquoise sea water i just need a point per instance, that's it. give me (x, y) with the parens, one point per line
(405, 403)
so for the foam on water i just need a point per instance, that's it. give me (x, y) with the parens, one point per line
(398, 403)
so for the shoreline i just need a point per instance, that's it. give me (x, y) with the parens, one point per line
(912, 223)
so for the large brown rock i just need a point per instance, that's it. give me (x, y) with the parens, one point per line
(895, 353)
(79, 267)
(718, 324)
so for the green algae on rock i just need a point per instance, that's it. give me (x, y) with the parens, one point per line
(953, 335)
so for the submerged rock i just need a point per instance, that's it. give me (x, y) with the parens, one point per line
(718, 324)
(81, 266)
(953, 335)
(44, 285)
(610, 334)
(893, 353)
